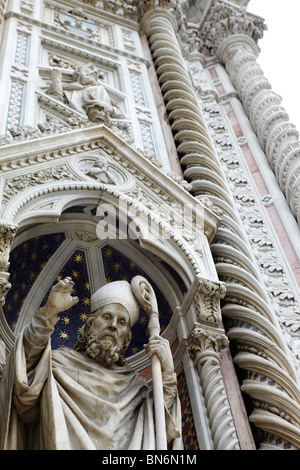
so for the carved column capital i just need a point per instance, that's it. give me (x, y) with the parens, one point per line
(224, 21)
(206, 344)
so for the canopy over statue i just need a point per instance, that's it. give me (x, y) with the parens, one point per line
(86, 397)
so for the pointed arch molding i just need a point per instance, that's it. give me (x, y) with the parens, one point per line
(37, 186)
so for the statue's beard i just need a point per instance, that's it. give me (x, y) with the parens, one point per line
(106, 349)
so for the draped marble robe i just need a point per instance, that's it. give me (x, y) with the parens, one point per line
(64, 400)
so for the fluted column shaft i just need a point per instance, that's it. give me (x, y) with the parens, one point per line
(277, 136)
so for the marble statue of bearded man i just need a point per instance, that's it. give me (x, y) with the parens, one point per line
(86, 397)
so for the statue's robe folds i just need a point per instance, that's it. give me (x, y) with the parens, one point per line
(63, 400)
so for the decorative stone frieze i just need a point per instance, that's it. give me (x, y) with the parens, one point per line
(273, 277)
(20, 183)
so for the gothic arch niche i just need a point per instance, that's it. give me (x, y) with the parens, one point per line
(57, 234)
(71, 247)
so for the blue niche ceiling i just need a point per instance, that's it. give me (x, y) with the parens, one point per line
(67, 328)
(118, 267)
(27, 261)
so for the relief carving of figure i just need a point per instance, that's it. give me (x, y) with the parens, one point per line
(86, 397)
(101, 172)
(85, 94)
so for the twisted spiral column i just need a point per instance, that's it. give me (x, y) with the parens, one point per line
(2, 8)
(205, 352)
(244, 285)
(270, 121)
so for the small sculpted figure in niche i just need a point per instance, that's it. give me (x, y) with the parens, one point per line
(86, 397)
(85, 94)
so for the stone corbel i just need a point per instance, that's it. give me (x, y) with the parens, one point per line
(7, 234)
(207, 301)
(205, 345)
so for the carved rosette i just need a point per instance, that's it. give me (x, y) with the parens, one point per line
(7, 234)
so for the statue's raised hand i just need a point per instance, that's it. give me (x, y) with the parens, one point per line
(60, 298)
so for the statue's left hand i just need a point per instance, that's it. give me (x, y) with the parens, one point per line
(161, 347)
(60, 298)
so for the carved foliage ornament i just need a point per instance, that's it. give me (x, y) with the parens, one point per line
(206, 343)
(7, 234)
(207, 301)
(130, 8)
(223, 20)
(20, 183)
